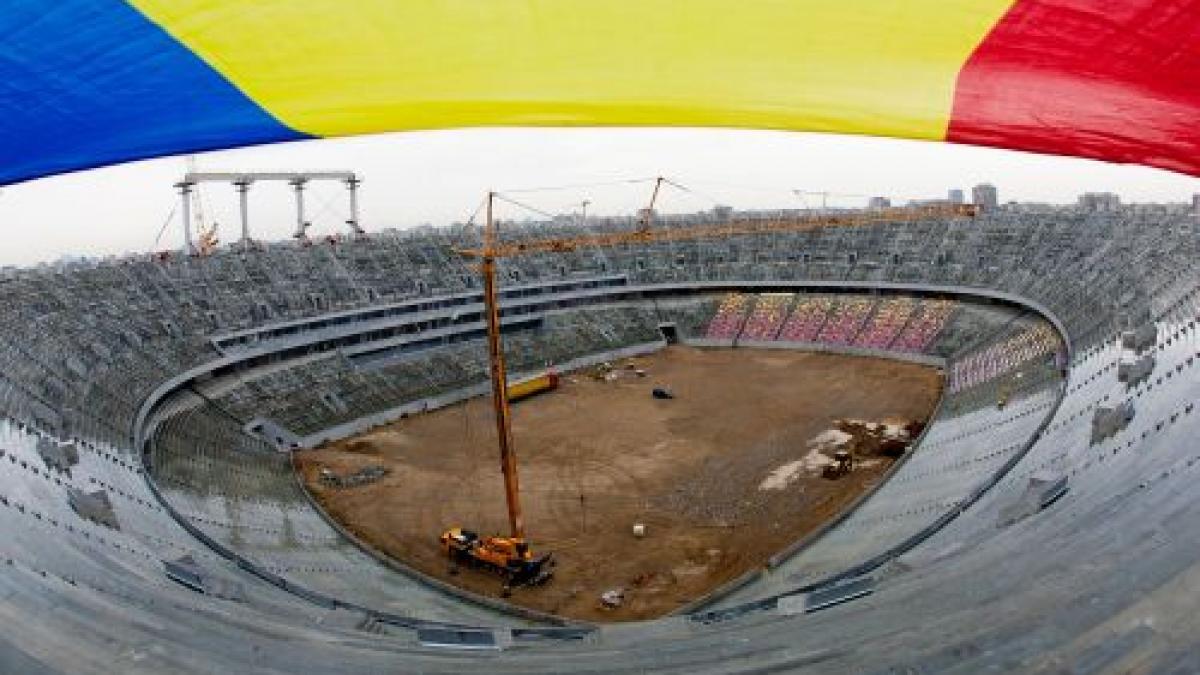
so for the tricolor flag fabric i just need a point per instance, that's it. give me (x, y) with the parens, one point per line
(86, 83)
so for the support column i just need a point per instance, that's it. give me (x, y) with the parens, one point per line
(185, 194)
(301, 226)
(352, 184)
(243, 188)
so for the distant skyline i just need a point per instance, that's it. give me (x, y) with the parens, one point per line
(440, 177)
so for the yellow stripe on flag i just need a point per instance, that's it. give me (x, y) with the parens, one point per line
(336, 67)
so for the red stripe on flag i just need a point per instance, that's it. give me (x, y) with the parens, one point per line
(1113, 80)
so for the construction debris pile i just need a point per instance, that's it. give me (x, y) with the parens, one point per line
(607, 372)
(363, 476)
(878, 439)
(838, 449)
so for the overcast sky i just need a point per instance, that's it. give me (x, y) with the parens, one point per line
(440, 177)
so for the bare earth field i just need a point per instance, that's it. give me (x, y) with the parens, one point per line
(723, 476)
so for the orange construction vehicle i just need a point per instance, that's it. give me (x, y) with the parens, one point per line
(531, 386)
(843, 464)
(509, 557)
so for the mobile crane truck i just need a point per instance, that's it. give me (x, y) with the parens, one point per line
(508, 557)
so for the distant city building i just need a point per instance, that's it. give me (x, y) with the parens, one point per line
(956, 196)
(928, 202)
(1196, 203)
(1099, 201)
(879, 203)
(985, 196)
(722, 212)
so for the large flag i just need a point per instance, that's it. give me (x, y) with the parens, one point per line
(92, 82)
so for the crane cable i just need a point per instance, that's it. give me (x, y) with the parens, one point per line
(579, 186)
(163, 229)
(523, 205)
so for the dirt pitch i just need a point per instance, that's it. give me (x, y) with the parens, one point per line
(596, 457)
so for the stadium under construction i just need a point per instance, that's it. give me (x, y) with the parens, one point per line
(147, 402)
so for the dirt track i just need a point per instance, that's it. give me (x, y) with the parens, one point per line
(598, 456)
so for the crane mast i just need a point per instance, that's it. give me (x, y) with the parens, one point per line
(500, 403)
(648, 212)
